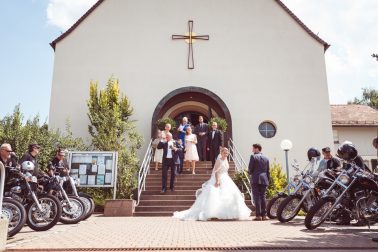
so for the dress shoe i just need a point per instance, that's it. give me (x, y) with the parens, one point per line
(375, 239)
(258, 218)
(163, 191)
(264, 218)
(172, 189)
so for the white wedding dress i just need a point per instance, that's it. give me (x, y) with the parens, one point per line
(224, 202)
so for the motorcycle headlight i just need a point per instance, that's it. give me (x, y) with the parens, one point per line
(34, 179)
(344, 179)
(308, 179)
(296, 179)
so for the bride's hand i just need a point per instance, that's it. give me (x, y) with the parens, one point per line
(217, 184)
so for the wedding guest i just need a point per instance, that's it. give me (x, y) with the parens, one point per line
(181, 154)
(167, 130)
(191, 154)
(201, 131)
(179, 157)
(158, 156)
(214, 142)
(182, 129)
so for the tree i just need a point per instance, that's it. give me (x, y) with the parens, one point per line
(112, 130)
(369, 97)
(14, 131)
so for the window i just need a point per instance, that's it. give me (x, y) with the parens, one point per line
(336, 137)
(267, 129)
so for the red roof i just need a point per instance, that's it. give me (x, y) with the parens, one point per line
(354, 115)
(99, 2)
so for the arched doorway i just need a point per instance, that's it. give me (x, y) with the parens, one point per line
(192, 102)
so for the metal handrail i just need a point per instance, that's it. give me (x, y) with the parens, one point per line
(143, 170)
(2, 183)
(240, 167)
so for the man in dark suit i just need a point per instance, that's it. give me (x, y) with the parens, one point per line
(214, 142)
(169, 148)
(259, 171)
(201, 131)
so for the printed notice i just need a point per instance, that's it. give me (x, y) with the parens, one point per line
(74, 171)
(108, 178)
(101, 169)
(100, 179)
(91, 179)
(83, 179)
(83, 169)
(101, 160)
(109, 164)
(94, 168)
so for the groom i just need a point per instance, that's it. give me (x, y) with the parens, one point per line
(259, 171)
(170, 157)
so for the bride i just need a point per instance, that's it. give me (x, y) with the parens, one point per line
(219, 197)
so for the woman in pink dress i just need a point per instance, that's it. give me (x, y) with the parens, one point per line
(191, 154)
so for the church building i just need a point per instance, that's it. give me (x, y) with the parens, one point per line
(252, 62)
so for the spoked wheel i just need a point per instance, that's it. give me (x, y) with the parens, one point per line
(47, 217)
(286, 210)
(72, 214)
(316, 216)
(89, 206)
(15, 212)
(272, 207)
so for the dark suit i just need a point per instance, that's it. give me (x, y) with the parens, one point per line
(259, 171)
(202, 140)
(168, 163)
(213, 144)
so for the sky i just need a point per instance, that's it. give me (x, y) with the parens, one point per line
(28, 26)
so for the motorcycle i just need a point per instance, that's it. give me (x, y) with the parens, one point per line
(42, 211)
(275, 202)
(15, 213)
(73, 208)
(354, 191)
(71, 189)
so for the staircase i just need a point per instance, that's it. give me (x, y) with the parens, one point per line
(152, 203)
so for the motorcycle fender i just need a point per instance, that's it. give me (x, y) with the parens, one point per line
(81, 194)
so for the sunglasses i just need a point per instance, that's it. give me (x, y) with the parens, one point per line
(9, 151)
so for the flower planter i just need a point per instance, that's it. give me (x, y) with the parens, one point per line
(119, 207)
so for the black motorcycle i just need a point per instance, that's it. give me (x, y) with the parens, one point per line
(43, 211)
(73, 208)
(354, 192)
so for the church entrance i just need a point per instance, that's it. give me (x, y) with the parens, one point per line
(192, 102)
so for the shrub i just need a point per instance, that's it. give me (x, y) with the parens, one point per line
(19, 134)
(162, 122)
(278, 180)
(222, 123)
(112, 130)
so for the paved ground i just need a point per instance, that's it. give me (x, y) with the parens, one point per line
(147, 233)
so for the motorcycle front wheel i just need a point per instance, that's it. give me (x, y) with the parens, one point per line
(89, 206)
(47, 218)
(273, 204)
(72, 214)
(315, 217)
(15, 212)
(286, 210)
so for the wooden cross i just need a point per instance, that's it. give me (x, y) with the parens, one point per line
(190, 38)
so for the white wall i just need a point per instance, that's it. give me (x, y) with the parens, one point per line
(361, 137)
(258, 60)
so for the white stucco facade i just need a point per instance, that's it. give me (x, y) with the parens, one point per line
(259, 61)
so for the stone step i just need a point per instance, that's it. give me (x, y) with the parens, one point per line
(198, 172)
(169, 192)
(177, 183)
(177, 187)
(152, 214)
(160, 208)
(168, 197)
(159, 203)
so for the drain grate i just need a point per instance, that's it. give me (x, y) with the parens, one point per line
(193, 249)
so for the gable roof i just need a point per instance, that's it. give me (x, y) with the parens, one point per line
(354, 115)
(279, 2)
